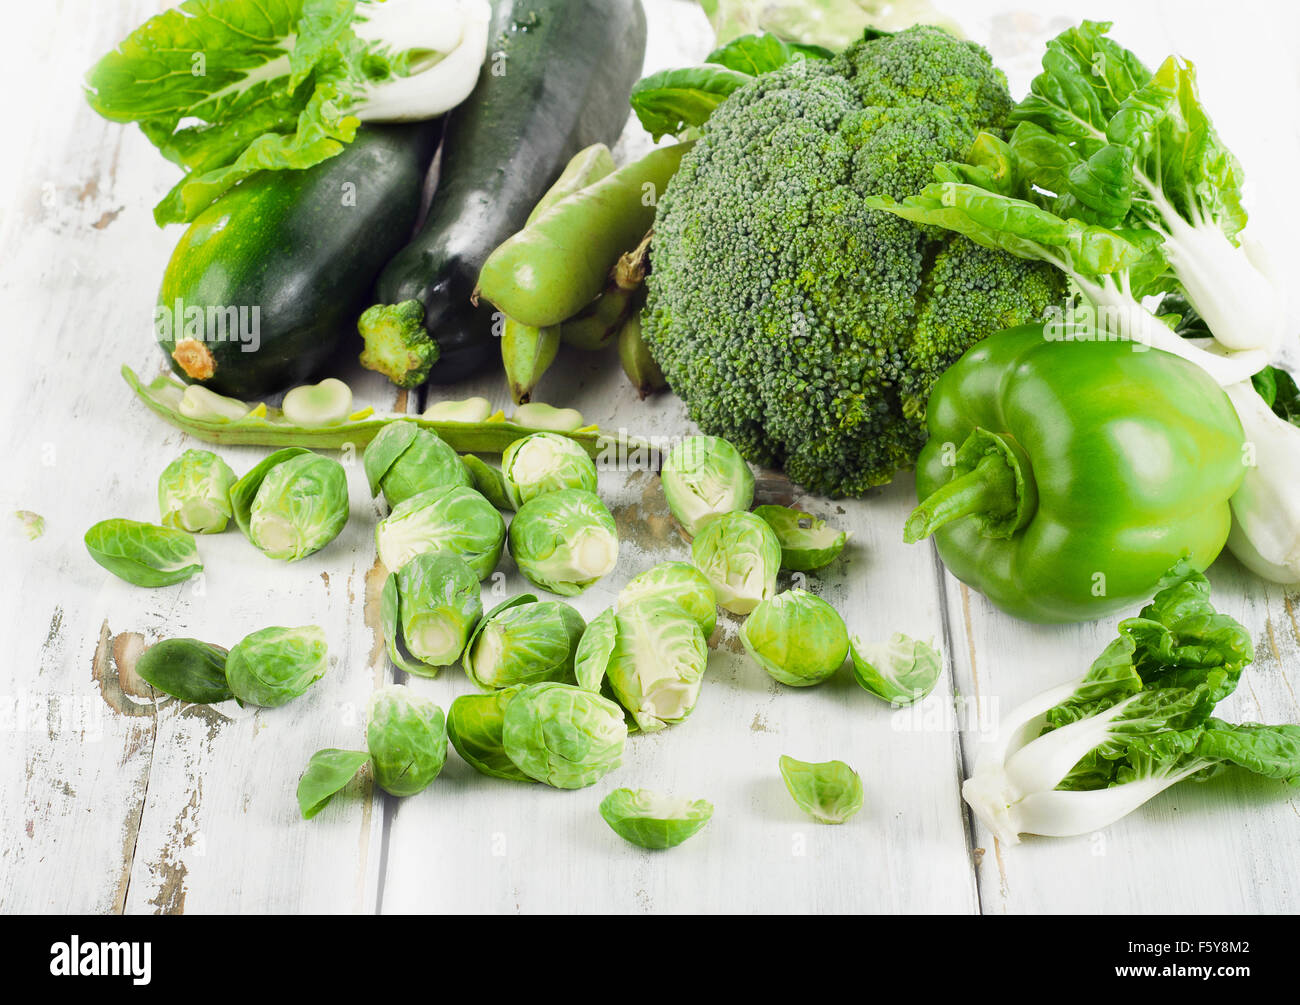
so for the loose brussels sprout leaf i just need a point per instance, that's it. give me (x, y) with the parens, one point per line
(142, 553)
(276, 665)
(657, 663)
(327, 773)
(33, 524)
(740, 557)
(197, 402)
(540, 416)
(194, 493)
(186, 669)
(830, 792)
(292, 504)
(902, 671)
(469, 410)
(405, 460)
(439, 605)
(563, 735)
(591, 658)
(807, 544)
(564, 541)
(703, 477)
(797, 637)
(524, 643)
(407, 737)
(325, 404)
(488, 480)
(681, 583)
(474, 725)
(390, 618)
(545, 462)
(445, 521)
(651, 820)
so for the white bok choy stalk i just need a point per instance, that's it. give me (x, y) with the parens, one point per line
(446, 43)
(1082, 755)
(1265, 534)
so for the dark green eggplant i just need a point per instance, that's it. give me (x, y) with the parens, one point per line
(556, 79)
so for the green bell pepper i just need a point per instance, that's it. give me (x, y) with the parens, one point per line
(1063, 479)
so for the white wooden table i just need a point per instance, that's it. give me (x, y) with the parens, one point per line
(114, 798)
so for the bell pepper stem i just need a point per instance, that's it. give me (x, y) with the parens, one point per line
(989, 488)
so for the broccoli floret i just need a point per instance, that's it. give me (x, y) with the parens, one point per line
(793, 320)
(397, 344)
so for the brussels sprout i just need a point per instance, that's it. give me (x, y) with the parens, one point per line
(194, 493)
(474, 725)
(830, 792)
(740, 557)
(562, 735)
(681, 583)
(564, 541)
(796, 637)
(142, 553)
(524, 641)
(545, 462)
(902, 671)
(292, 504)
(430, 606)
(651, 820)
(404, 460)
(275, 665)
(537, 415)
(489, 481)
(325, 404)
(703, 477)
(452, 520)
(807, 544)
(187, 669)
(407, 737)
(655, 664)
(327, 773)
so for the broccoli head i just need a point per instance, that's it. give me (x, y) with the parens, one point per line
(793, 320)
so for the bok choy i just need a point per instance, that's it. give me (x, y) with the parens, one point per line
(226, 88)
(1080, 756)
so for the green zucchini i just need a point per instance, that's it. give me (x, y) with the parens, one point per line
(557, 77)
(267, 281)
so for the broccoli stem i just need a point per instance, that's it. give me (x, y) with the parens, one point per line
(397, 344)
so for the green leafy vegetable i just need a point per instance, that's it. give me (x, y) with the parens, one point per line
(275, 665)
(740, 557)
(651, 820)
(292, 503)
(143, 554)
(452, 520)
(226, 88)
(653, 655)
(524, 641)
(807, 544)
(545, 462)
(830, 792)
(430, 606)
(327, 773)
(797, 637)
(564, 541)
(405, 460)
(188, 669)
(475, 723)
(1080, 756)
(407, 739)
(194, 493)
(901, 671)
(704, 477)
(563, 735)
